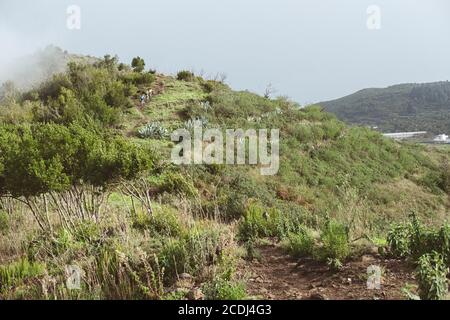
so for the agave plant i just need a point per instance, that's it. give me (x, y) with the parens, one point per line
(197, 122)
(205, 105)
(153, 130)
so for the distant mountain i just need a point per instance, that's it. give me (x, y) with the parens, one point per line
(404, 107)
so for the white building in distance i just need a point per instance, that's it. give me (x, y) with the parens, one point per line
(441, 138)
(404, 135)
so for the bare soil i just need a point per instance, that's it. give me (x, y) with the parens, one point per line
(277, 276)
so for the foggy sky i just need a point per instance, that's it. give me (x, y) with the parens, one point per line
(310, 50)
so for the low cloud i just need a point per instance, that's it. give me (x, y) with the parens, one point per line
(27, 62)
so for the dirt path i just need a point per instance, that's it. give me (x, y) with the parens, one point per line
(277, 276)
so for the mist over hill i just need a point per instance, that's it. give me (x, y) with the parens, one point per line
(403, 107)
(27, 71)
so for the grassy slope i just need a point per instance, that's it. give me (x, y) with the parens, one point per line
(326, 167)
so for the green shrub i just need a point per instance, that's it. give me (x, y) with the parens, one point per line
(191, 253)
(254, 224)
(398, 239)
(251, 252)
(15, 113)
(175, 257)
(163, 222)
(413, 239)
(87, 232)
(127, 276)
(335, 264)
(433, 181)
(41, 158)
(223, 289)
(258, 222)
(145, 78)
(185, 76)
(176, 295)
(166, 222)
(432, 277)
(284, 222)
(431, 248)
(442, 242)
(422, 240)
(300, 244)
(84, 236)
(14, 273)
(98, 91)
(115, 282)
(50, 158)
(134, 78)
(176, 183)
(335, 242)
(209, 86)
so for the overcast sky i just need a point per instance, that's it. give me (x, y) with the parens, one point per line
(310, 50)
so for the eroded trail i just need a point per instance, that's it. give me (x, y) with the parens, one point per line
(278, 276)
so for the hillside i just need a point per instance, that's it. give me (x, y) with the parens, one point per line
(86, 180)
(399, 108)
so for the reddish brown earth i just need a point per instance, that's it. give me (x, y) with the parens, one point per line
(277, 276)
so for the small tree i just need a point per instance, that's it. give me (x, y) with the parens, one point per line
(68, 167)
(138, 64)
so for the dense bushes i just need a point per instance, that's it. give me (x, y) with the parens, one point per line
(234, 106)
(191, 253)
(432, 277)
(100, 91)
(85, 90)
(335, 241)
(162, 256)
(399, 240)
(300, 244)
(224, 288)
(429, 249)
(134, 78)
(162, 222)
(413, 239)
(185, 76)
(73, 164)
(331, 246)
(258, 223)
(40, 158)
(16, 272)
